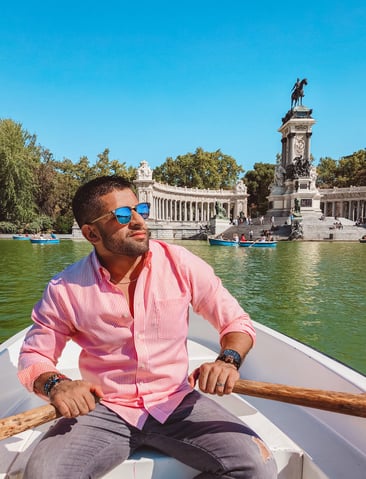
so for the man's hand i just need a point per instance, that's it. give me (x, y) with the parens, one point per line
(75, 398)
(215, 378)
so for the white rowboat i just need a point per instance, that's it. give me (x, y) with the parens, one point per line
(308, 443)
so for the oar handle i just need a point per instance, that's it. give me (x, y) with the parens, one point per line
(344, 403)
(9, 426)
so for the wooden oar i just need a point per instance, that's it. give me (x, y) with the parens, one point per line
(344, 403)
(256, 241)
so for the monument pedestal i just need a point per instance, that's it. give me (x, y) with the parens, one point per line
(218, 225)
(295, 177)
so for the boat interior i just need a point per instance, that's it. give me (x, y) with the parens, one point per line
(306, 443)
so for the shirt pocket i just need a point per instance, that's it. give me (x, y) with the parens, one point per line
(171, 317)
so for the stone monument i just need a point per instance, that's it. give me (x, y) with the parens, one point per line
(144, 183)
(293, 191)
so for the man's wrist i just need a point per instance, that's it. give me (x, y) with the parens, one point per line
(230, 356)
(52, 381)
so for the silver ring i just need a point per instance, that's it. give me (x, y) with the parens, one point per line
(220, 385)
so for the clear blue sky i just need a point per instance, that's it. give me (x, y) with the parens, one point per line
(153, 79)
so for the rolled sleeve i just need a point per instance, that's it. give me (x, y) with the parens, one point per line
(28, 375)
(243, 325)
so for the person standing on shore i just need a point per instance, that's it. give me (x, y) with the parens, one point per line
(126, 305)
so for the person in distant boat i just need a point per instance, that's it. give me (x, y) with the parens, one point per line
(242, 237)
(126, 305)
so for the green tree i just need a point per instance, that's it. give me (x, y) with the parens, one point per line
(19, 160)
(46, 181)
(105, 166)
(201, 169)
(258, 182)
(349, 171)
(352, 169)
(327, 172)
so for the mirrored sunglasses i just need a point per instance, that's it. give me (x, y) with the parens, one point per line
(123, 214)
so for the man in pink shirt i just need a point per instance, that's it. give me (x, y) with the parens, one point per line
(126, 305)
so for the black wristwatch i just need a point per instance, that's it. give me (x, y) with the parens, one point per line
(230, 356)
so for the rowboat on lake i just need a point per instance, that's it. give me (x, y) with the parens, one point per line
(244, 244)
(300, 422)
(40, 240)
(20, 237)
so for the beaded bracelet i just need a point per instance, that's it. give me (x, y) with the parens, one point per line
(52, 381)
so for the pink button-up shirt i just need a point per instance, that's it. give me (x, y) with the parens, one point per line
(141, 362)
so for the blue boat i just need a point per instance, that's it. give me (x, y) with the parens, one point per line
(44, 240)
(20, 237)
(244, 244)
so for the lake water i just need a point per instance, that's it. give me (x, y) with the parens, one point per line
(312, 291)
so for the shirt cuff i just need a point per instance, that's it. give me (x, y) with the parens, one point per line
(28, 375)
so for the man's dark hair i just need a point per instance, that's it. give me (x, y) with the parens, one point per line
(86, 204)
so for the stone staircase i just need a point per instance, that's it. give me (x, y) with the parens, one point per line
(314, 229)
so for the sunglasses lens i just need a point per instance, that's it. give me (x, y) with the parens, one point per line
(143, 209)
(123, 214)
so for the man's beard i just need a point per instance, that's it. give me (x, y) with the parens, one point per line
(127, 247)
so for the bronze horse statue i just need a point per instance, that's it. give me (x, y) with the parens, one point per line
(298, 92)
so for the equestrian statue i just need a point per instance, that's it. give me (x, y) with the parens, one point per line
(298, 92)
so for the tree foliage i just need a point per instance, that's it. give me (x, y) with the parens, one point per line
(36, 191)
(258, 182)
(19, 159)
(201, 169)
(348, 171)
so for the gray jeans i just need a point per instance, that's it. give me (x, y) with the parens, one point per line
(199, 433)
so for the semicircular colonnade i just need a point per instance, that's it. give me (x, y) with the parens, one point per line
(182, 204)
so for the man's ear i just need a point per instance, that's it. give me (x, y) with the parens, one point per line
(90, 233)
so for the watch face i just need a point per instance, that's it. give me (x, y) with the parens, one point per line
(231, 356)
(229, 353)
